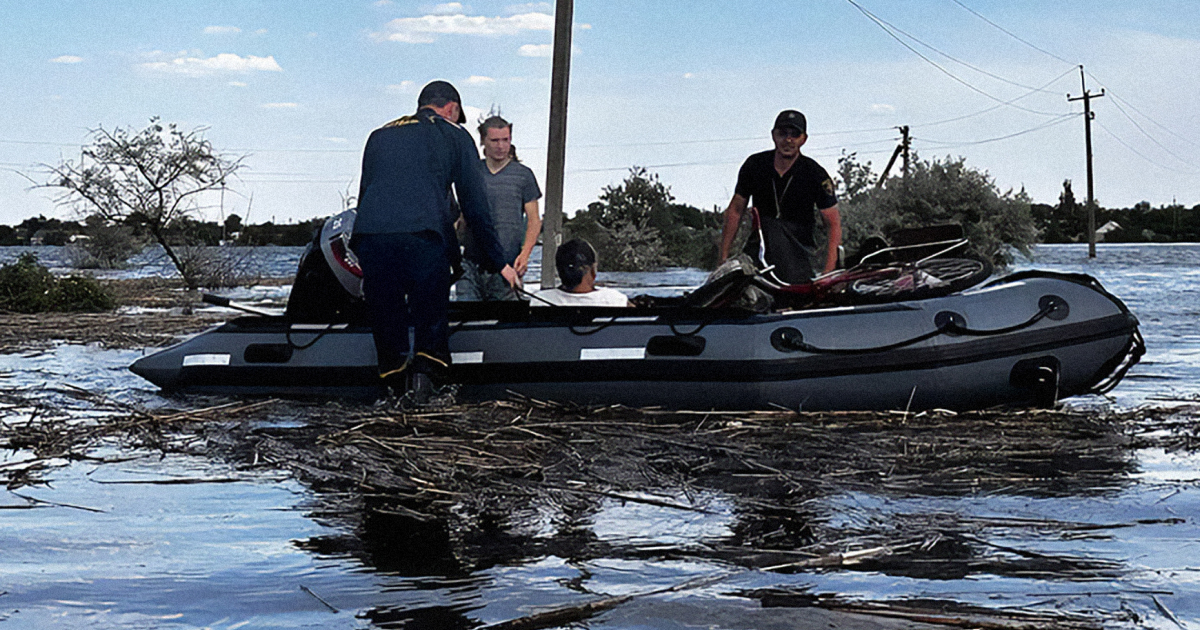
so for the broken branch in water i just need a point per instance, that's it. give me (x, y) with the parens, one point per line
(578, 612)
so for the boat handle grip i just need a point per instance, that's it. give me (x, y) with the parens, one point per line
(214, 299)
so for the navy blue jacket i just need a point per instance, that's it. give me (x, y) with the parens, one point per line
(407, 169)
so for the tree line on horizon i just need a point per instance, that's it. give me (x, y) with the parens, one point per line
(141, 187)
(40, 230)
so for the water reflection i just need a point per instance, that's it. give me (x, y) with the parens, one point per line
(1028, 512)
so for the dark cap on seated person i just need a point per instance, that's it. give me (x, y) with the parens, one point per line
(438, 93)
(790, 118)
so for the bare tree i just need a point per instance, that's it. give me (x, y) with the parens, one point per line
(153, 179)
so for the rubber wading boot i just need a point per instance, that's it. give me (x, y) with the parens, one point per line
(396, 382)
(420, 388)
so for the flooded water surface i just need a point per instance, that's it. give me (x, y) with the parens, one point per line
(134, 538)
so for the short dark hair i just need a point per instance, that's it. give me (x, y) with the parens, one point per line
(438, 94)
(572, 261)
(496, 122)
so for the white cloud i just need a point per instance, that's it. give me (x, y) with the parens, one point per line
(479, 80)
(688, 75)
(221, 30)
(336, 140)
(585, 26)
(221, 64)
(529, 7)
(67, 59)
(384, 3)
(280, 105)
(449, 8)
(882, 108)
(238, 84)
(403, 87)
(536, 50)
(261, 31)
(425, 29)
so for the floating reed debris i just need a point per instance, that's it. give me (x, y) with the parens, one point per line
(447, 487)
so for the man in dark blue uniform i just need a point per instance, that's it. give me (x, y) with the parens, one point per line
(404, 234)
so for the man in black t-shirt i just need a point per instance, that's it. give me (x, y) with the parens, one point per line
(788, 190)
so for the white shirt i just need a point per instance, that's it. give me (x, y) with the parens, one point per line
(599, 297)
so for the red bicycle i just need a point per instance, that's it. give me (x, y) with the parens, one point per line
(923, 263)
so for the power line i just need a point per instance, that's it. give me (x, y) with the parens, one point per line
(669, 165)
(888, 28)
(957, 60)
(1012, 35)
(292, 150)
(297, 181)
(995, 107)
(1152, 138)
(951, 145)
(1140, 154)
(888, 141)
(1144, 115)
(45, 144)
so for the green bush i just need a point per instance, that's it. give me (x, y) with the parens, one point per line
(637, 226)
(79, 294)
(938, 191)
(28, 287)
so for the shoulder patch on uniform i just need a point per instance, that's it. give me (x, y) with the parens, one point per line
(401, 121)
(827, 186)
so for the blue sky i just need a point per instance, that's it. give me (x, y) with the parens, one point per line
(686, 89)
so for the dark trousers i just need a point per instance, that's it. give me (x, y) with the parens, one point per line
(406, 283)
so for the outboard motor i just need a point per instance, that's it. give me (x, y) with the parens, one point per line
(328, 285)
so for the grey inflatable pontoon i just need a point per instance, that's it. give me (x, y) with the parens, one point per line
(1026, 339)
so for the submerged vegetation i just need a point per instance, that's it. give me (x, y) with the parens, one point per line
(28, 287)
(934, 192)
(638, 226)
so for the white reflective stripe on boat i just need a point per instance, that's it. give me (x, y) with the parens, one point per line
(603, 320)
(319, 326)
(486, 322)
(459, 358)
(999, 287)
(602, 354)
(205, 359)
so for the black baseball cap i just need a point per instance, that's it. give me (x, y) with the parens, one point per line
(438, 93)
(791, 118)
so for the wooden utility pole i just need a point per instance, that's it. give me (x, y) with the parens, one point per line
(901, 149)
(1087, 138)
(556, 155)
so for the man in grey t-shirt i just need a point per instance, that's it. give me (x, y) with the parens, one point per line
(513, 194)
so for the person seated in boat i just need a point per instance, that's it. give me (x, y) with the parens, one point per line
(788, 191)
(577, 266)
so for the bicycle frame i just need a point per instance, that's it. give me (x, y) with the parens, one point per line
(825, 285)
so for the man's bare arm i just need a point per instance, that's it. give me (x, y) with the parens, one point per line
(533, 228)
(733, 220)
(833, 223)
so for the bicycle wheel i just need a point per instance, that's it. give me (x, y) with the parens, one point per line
(930, 278)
